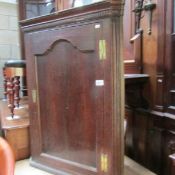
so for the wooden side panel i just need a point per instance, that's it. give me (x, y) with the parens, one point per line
(129, 116)
(129, 29)
(130, 60)
(172, 159)
(169, 148)
(170, 42)
(144, 139)
(156, 128)
(18, 138)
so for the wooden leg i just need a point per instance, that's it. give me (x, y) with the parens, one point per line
(5, 84)
(10, 94)
(17, 88)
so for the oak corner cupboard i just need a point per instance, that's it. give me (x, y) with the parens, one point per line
(75, 81)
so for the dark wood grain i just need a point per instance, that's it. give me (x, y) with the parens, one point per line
(172, 158)
(75, 95)
(151, 130)
(70, 108)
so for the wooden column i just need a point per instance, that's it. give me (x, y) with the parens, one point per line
(5, 83)
(10, 94)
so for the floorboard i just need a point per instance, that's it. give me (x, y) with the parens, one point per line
(131, 168)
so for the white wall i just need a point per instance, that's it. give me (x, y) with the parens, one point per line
(8, 1)
(9, 35)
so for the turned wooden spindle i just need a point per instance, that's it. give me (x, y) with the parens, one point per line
(17, 88)
(10, 94)
(5, 84)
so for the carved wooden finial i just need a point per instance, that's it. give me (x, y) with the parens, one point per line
(10, 94)
(16, 90)
(5, 84)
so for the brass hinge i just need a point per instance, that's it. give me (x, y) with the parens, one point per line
(102, 49)
(34, 96)
(104, 163)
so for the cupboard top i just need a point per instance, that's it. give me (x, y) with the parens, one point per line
(30, 9)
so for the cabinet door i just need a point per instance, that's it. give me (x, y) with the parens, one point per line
(67, 86)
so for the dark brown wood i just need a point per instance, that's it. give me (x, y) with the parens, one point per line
(133, 39)
(21, 16)
(170, 41)
(169, 148)
(155, 126)
(76, 90)
(172, 158)
(161, 80)
(130, 48)
(144, 139)
(134, 85)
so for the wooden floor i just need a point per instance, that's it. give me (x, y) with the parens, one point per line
(131, 168)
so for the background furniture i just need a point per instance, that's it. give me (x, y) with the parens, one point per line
(14, 124)
(14, 82)
(151, 134)
(16, 132)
